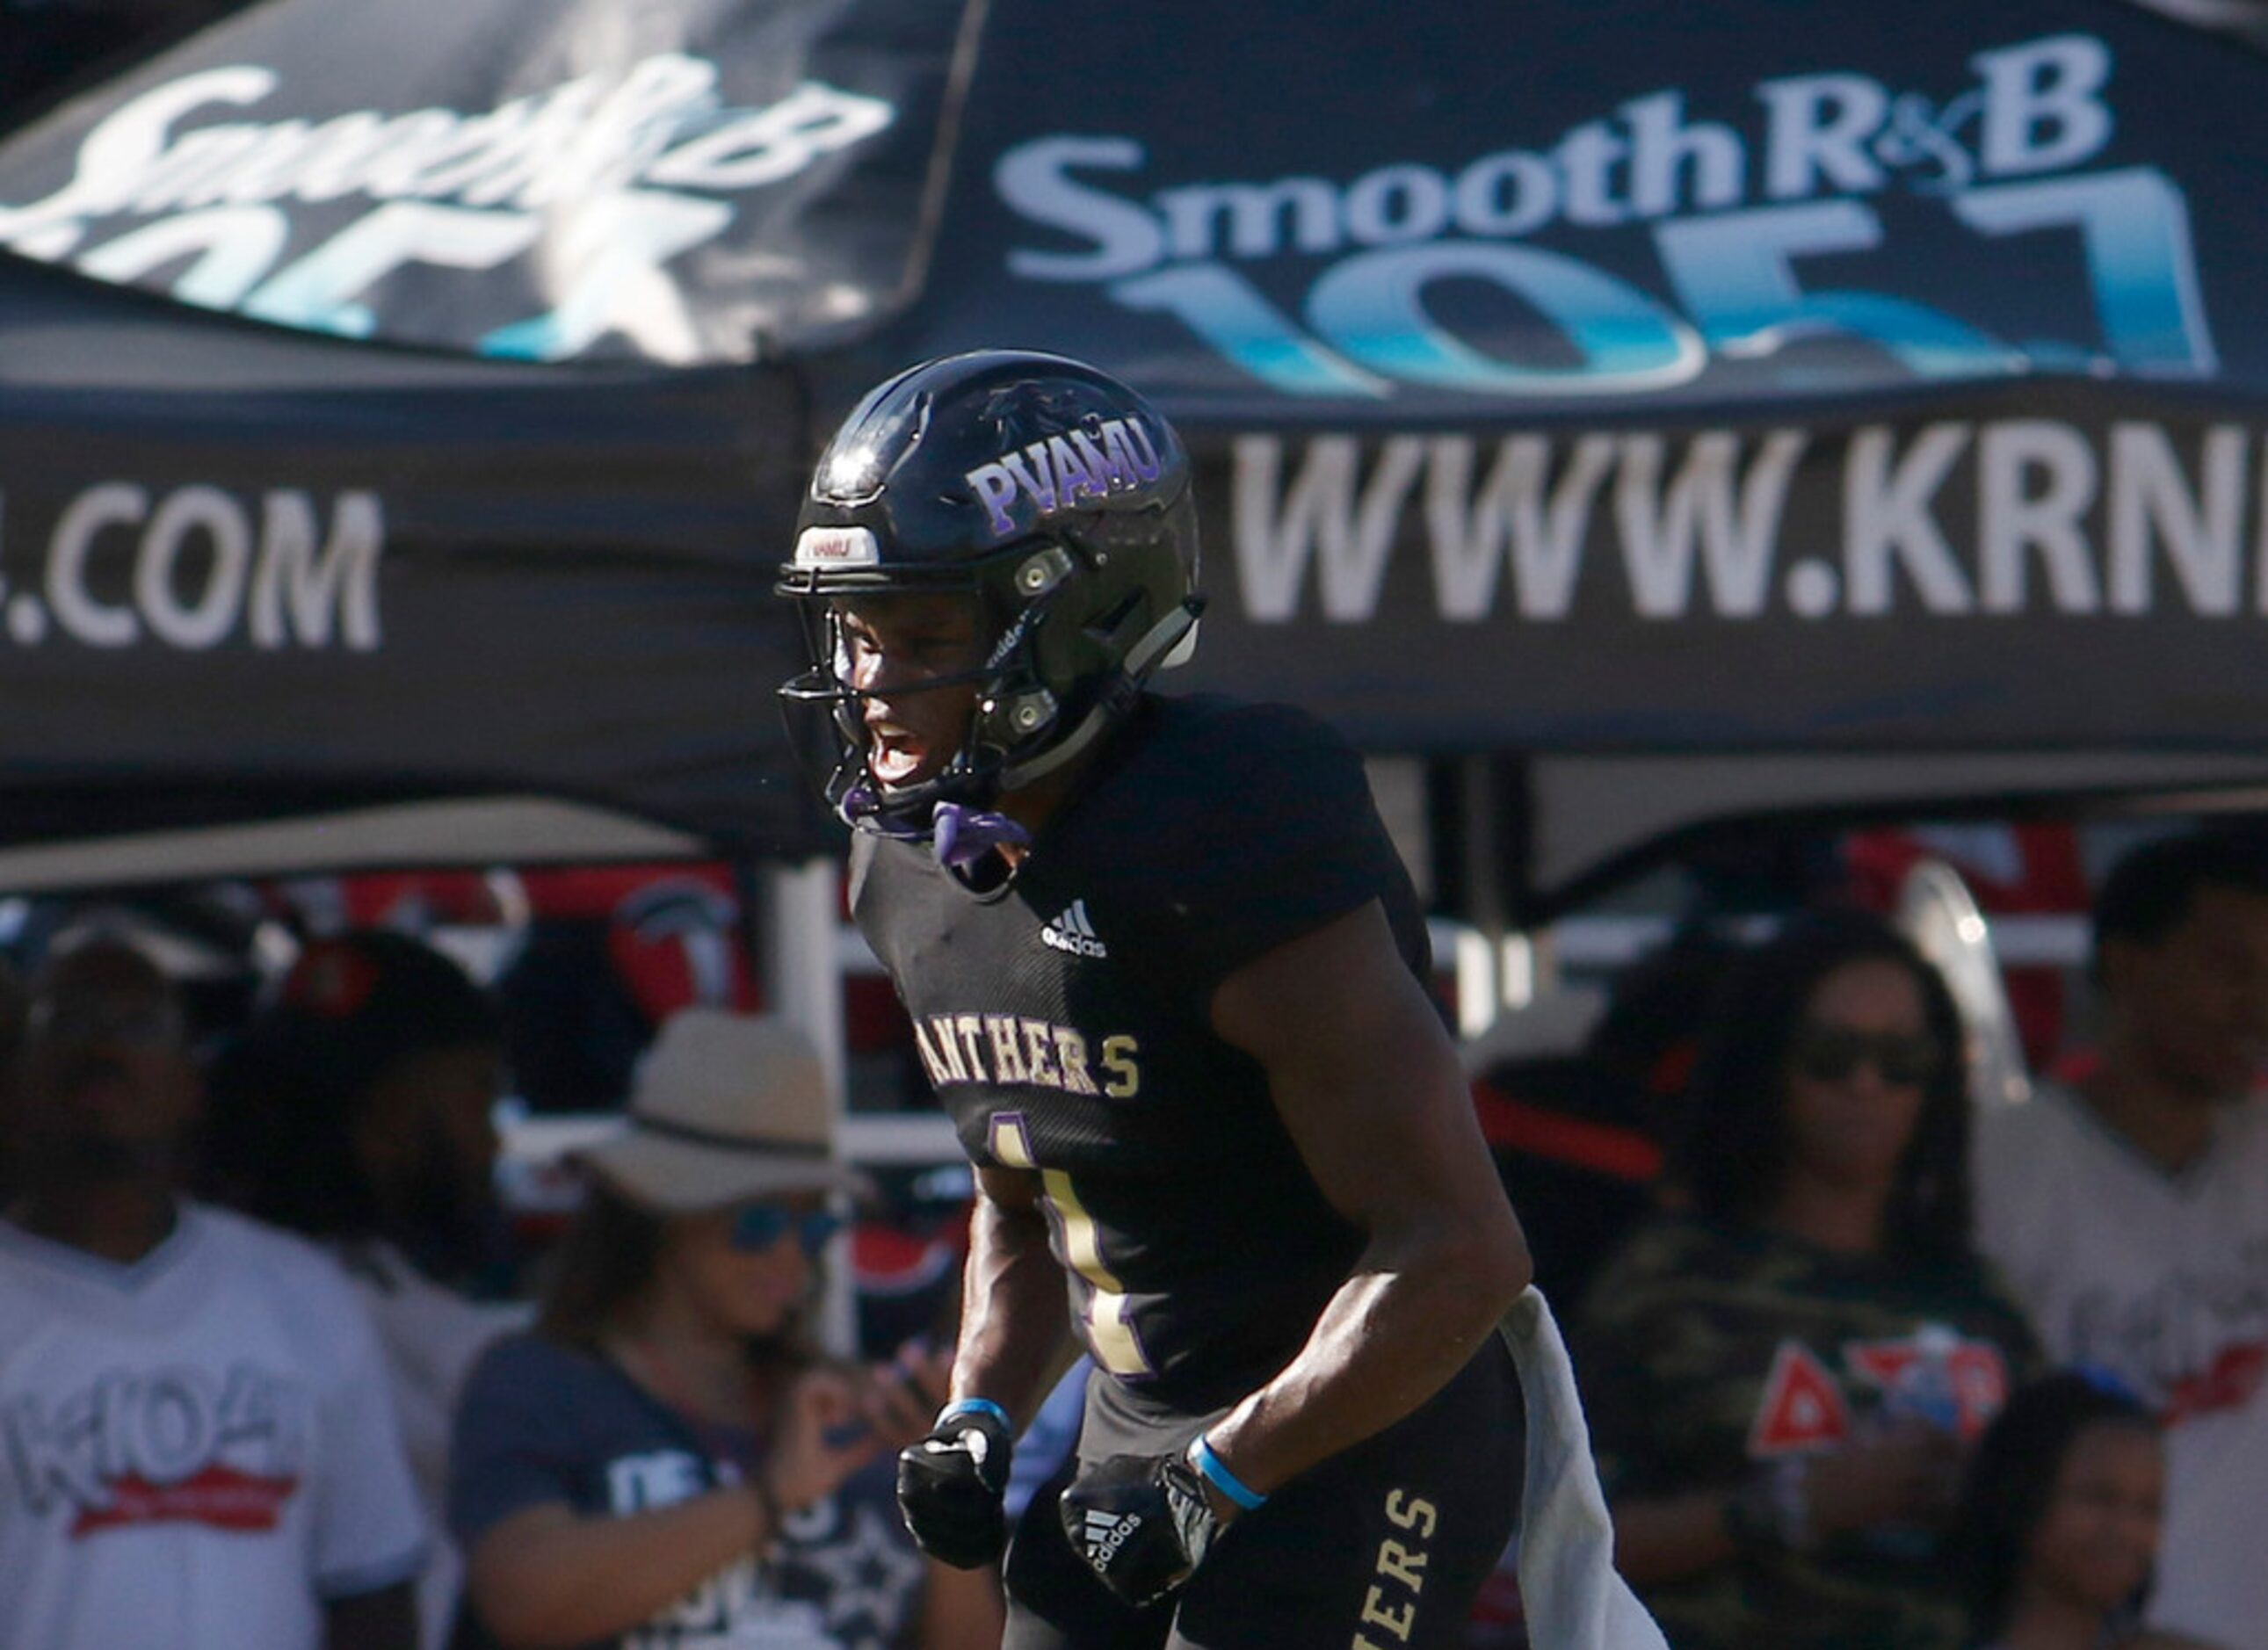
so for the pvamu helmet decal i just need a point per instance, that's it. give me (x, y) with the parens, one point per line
(1050, 492)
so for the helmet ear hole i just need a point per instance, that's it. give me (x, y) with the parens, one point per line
(1113, 628)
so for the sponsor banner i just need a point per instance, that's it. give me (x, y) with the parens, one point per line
(1539, 212)
(510, 177)
(199, 567)
(250, 561)
(2038, 570)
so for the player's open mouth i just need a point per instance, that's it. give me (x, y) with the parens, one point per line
(896, 754)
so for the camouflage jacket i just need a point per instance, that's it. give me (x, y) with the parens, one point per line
(1704, 1350)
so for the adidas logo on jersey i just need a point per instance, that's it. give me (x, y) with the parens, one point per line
(1107, 1533)
(1072, 933)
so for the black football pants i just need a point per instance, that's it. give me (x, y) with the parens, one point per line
(1380, 1548)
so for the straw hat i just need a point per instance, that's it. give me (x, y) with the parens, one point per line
(725, 1109)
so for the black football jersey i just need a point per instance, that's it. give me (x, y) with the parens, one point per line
(1063, 1018)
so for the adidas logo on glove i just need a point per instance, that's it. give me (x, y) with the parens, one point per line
(1107, 1533)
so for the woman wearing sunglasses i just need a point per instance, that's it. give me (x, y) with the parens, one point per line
(665, 1460)
(1784, 1376)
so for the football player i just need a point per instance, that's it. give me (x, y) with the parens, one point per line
(1165, 971)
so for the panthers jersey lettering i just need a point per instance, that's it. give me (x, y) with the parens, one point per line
(1064, 1020)
(1004, 1049)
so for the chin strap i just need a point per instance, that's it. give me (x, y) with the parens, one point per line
(958, 835)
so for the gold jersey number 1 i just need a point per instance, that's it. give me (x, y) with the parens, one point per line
(1109, 1325)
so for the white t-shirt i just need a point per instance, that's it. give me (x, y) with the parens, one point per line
(197, 1450)
(432, 1337)
(2162, 1278)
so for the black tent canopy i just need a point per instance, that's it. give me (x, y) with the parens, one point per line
(1831, 408)
(251, 573)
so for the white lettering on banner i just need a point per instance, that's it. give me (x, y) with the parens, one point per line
(1887, 517)
(1468, 530)
(1659, 530)
(1694, 524)
(1273, 547)
(2009, 518)
(2200, 536)
(613, 173)
(1735, 218)
(197, 568)
(2039, 107)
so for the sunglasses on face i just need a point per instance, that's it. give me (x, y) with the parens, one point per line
(760, 1225)
(1828, 1053)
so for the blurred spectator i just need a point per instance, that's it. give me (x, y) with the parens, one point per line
(1650, 1033)
(2026, 867)
(1780, 1379)
(665, 1460)
(2130, 1213)
(610, 953)
(1578, 1137)
(355, 1109)
(2061, 1516)
(359, 1107)
(199, 1449)
(907, 1254)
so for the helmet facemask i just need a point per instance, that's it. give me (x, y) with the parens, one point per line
(828, 722)
(1054, 675)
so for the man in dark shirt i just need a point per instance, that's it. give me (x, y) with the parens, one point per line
(1164, 969)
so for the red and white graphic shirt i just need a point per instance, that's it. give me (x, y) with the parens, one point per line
(196, 1450)
(2161, 1279)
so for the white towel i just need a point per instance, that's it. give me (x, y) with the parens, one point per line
(1569, 1591)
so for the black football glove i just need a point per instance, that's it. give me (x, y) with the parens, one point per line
(950, 1490)
(1143, 1521)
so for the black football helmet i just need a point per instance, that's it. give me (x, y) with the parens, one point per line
(1054, 494)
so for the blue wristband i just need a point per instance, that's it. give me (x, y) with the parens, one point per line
(974, 1406)
(1216, 1474)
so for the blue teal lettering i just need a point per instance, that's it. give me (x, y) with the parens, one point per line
(1244, 328)
(1735, 274)
(1370, 307)
(2135, 226)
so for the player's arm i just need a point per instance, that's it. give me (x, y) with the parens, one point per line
(1015, 1336)
(1369, 1085)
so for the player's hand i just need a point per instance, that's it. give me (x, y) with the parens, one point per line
(1143, 1521)
(952, 1486)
